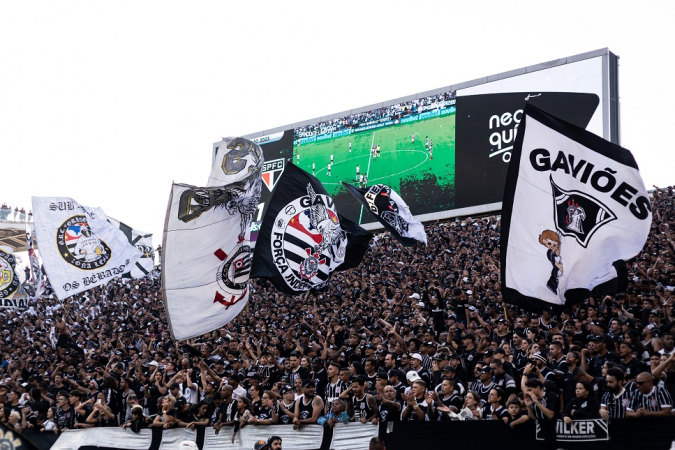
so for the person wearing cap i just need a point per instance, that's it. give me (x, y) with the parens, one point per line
(308, 408)
(261, 445)
(604, 348)
(416, 365)
(286, 405)
(483, 384)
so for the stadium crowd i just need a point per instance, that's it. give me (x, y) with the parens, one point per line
(19, 214)
(412, 335)
(391, 112)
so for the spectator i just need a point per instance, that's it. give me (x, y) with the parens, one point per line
(583, 406)
(649, 400)
(617, 399)
(337, 414)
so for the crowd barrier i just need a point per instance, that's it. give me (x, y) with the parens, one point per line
(624, 434)
(655, 434)
(353, 436)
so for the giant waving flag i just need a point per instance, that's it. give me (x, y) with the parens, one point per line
(206, 256)
(391, 211)
(575, 208)
(80, 249)
(303, 239)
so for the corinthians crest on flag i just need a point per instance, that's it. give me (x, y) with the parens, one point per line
(206, 258)
(391, 211)
(303, 239)
(575, 209)
(80, 249)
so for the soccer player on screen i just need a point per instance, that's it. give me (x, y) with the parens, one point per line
(431, 149)
(413, 139)
(350, 146)
(358, 172)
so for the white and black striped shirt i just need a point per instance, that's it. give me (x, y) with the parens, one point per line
(656, 400)
(616, 404)
(333, 392)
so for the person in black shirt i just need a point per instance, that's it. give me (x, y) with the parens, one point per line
(389, 408)
(583, 406)
(540, 405)
(494, 409)
(448, 401)
(308, 408)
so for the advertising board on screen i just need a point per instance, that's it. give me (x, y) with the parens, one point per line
(445, 151)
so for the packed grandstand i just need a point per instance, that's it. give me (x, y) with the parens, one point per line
(419, 335)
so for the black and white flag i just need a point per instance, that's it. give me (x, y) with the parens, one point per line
(575, 208)
(206, 252)
(80, 249)
(391, 211)
(36, 271)
(143, 242)
(303, 239)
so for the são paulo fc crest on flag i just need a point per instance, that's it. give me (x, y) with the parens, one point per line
(271, 172)
(578, 215)
(308, 241)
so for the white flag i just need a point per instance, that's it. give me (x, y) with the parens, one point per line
(80, 249)
(575, 208)
(143, 242)
(36, 272)
(206, 252)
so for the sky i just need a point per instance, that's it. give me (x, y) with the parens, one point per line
(109, 102)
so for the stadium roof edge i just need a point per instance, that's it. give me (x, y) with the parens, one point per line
(499, 76)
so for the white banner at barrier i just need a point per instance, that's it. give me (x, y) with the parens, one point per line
(104, 437)
(307, 437)
(353, 436)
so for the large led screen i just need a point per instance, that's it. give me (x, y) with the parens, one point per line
(444, 152)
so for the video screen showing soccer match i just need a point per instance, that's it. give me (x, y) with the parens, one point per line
(408, 146)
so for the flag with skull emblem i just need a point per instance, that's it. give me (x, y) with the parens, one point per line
(206, 257)
(303, 239)
(575, 209)
(391, 211)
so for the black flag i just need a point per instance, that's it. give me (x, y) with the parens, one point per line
(303, 239)
(391, 211)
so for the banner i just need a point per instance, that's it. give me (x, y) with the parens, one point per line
(303, 239)
(143, 242)
(590, 430)
(391, 211)
(10, 284)
(575, 208)
(80, 249)
(206, 260)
